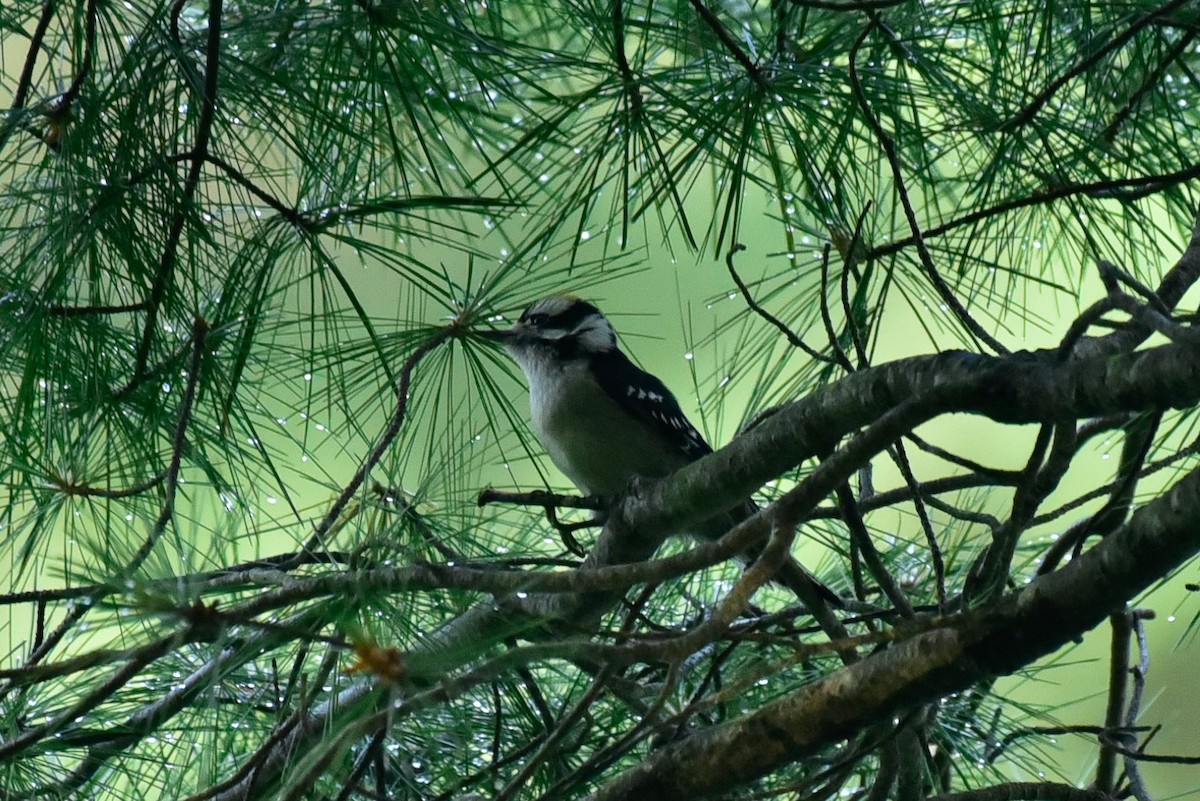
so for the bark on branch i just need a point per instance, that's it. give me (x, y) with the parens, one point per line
(1054, 610)
(1020, 388)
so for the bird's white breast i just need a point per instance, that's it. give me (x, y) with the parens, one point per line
(588, 435)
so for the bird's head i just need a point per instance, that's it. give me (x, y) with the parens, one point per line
(564, 324)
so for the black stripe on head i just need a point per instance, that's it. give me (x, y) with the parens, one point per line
(563, 312)
(574, 314)
(571, 325)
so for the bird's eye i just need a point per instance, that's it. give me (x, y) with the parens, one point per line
(536, 320)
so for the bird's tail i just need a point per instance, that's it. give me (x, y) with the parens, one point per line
(791, 574)
(796, 578)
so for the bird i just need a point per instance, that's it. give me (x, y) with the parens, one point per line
(605, 422)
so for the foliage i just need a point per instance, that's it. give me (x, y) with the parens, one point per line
(245, 554)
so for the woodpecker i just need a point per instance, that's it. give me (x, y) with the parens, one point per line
(606, 422)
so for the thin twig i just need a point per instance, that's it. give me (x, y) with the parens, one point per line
(848, 312)
(393, 499)
(994, 473)
(1118, 187)
(861, 538)
(1133, 772)
(1139, 439)
(85, 604)
(731, 44)
(792, 338)
(97, 310)
(299, 719)
(847, 5)
(96, 696)
(282, 209)
(991, 522)
(889, 148)
(362, 762)
(1118, 670)
(1111, 275)
(1137, 755)
(551, 502)
(88, 491)
(200, 330)
(563, 726)
(384, 442)
(63, 107)
(935, 551)
(646, 725)
(851, 258)
(1042, 474)
(997, 750)
(201, 581)
(208, 107)
(542, 498)
(1026, 115)
(839, 355)
(25, 82)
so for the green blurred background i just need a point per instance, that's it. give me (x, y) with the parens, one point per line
(673, 309)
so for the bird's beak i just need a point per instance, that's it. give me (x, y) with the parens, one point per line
(502, 336)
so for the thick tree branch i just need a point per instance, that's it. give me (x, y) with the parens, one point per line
(1021, 388)
(1052, 611)
(1026, 791)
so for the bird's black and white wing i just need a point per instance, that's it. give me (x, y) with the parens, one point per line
(647, 399)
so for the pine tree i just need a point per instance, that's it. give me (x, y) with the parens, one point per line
(253, 548)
